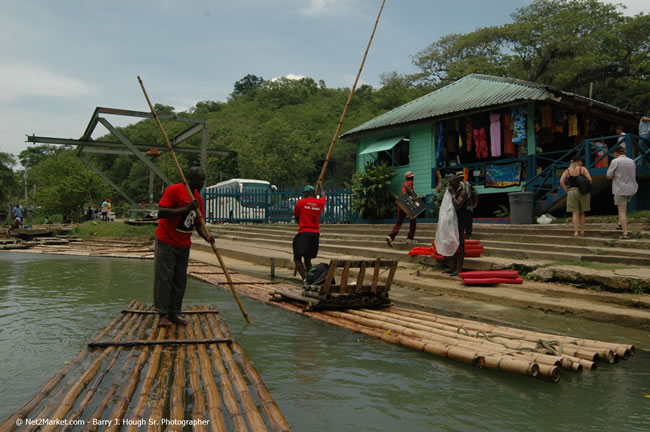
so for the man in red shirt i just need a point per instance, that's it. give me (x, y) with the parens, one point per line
(178, 217)
(407, 188)
(307, 214)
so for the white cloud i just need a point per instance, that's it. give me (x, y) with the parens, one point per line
(633, 7)
(321, 7)
(21, 80)
(289, 76)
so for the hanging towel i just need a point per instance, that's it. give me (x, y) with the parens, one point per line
(495, 134)
(508, 145)
(573, 124)
(440, 150)
(468, 132)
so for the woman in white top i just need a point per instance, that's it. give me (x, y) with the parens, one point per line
(576, 203)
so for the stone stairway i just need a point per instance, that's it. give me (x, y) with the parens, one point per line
(505, 245)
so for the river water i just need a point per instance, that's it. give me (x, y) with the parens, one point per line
(323, 378)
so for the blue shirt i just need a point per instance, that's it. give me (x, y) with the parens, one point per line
(18, 211)
(644, 127)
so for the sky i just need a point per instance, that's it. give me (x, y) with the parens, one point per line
(62, 58)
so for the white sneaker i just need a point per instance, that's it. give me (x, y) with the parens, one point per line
(389, 241)
(411, 241)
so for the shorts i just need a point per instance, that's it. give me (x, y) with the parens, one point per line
(577, 202)
(305, 245)
(622, 199)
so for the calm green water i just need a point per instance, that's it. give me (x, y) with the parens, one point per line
(322, 377)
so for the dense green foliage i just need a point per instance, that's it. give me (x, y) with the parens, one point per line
(569, 44)
(372, 197)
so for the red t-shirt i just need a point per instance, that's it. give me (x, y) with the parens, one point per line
(308, 212)
(177, 231)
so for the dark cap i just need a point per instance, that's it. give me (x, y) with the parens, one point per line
(618, 149)
(308, 188)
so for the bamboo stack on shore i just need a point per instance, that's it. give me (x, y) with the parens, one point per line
(136, 374)
(524, 352)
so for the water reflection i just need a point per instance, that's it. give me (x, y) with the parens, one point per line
(323, 377)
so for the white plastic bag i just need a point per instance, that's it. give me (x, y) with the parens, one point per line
(447, 241)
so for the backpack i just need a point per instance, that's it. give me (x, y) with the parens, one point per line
(473, 196)
(584, 185)
(317, 274)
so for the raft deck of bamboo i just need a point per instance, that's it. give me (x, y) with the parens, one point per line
(135, 374)
(525, 352)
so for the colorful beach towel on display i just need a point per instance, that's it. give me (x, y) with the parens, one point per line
(503, 175)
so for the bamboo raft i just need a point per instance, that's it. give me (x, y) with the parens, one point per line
(524, 352)
(135, 374)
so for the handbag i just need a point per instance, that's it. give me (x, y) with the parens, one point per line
(584, 185)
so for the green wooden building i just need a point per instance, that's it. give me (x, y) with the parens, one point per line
(529, 133)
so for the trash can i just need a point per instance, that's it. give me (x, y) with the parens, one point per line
(521, 207)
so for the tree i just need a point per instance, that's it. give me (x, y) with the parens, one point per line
(247, 85)
(371, 191)
(34, 155)
(8, 179)
(568, 44)
(66, 185)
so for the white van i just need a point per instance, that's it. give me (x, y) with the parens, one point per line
(238, 200)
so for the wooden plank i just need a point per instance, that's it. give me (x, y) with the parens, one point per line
(201, 311)
(344, 277)
(144, 342)
(391, 275)
(330, 275)
(360, 276)
(375, 276)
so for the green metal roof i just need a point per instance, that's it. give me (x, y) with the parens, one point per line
(386, 144)
(471, 93)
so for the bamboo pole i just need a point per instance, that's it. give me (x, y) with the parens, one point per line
(212, 391)
(23, 412)
(148, 380)
(176, 407)
(70, 397)
(273, 414)
(198, 399)
(249, 408)
(132, 381)
(104, 344)
(154, 423)
(119, 377)
(199, 216)
(347, 104)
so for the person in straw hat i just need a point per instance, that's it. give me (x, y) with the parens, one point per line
(407, 188)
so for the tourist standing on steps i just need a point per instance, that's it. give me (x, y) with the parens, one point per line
(461, 199)
(576, 203)
(622, 172)
(407, 188)
(307, 214)
(177, 219)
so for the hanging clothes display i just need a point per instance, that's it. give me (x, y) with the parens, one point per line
(460, 135)
(573, 124)
(440, 149)
(468, 132)
(495, 135)
(480, 140)
(519, 127)
(547, 116)
(559, 121)
(508, 145)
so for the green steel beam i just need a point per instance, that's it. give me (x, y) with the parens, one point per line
(111, 144)
(134, 150)
(107, 180)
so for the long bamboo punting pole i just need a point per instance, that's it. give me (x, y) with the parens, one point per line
(214, 363)
(347, 104)
(10, 423)
(189, 192)
(273, 414)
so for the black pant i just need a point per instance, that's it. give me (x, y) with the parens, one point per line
(170, 277)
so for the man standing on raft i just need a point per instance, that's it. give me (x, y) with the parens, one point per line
(178, 217)
(307, 214)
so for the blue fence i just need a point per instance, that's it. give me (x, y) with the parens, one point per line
(263, 205)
